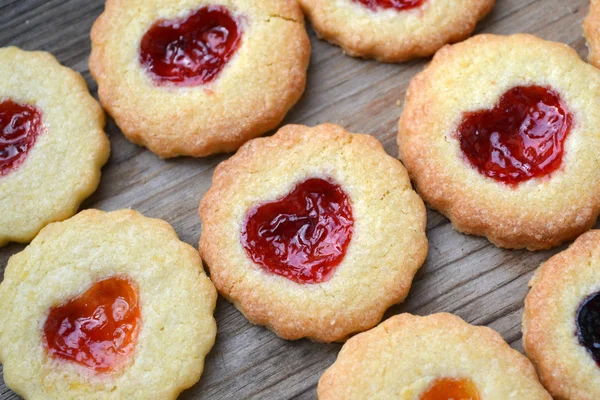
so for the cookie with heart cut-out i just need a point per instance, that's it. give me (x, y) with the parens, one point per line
(105, 305)
(199, 77)
(320, 234)
(394, 30)
(561, 321)
(500, 134)
(52, 143)
(437, 357)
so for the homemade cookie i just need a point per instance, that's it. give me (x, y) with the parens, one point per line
(591, 29)
(394, 30)
(430, 358)
(197, 77)
(105, 306)
(313, 232)
(501, 135)
(52, 143)
(561, 324)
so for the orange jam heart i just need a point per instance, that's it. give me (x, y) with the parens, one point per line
(451, 389)
(521, 138)
(97, 329)
(588, 325)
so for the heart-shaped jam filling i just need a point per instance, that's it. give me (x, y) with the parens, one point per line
(97, 329)
(588, 326)
(521, 138)
(20, 125)
(302, 236)
(399, 5)
(193, 50)
(451, 389)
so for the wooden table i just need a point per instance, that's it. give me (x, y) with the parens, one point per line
(463, 275)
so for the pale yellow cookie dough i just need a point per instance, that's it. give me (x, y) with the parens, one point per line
(63, 167)
(404, 355)
(176, 300)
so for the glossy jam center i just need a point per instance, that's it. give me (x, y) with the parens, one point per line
(451, 389)
(99, 328)
(521, 138)
(399, 5)
(588, 326)
(190, 51)
(20, 125)
(302, 236)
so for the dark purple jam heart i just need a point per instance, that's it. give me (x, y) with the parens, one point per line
(588, 325)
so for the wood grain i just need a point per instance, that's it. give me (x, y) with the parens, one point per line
(463, 275)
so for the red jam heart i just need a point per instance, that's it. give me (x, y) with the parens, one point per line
(302, 236)
(20, 125)
(399, 5)
(521, 138)
(193, 50)
(451, 389)
(588, 326)
(97, 329)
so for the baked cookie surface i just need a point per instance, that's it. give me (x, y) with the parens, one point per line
(313, 232)
(198, 77)
(101, 302)
(561, 323)
(500, 134)
(396, 30)
(52, 143)
(591, 29)
(425, 358)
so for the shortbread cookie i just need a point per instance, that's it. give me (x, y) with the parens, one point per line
(394, 30)
(313, 232)
(561, 324)
(105, 306)
(500, 134)
(591, 28)
(52, 143)
(430, 358)
(197, 77)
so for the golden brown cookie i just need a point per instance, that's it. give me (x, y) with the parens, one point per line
(591, 28)
(430, 358)
(500, 134)
(105, 306)
(561, 324)
(198, 77)
(52, 143)
(313, 232)
(394, 30)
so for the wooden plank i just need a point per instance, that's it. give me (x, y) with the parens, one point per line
(464, 275)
